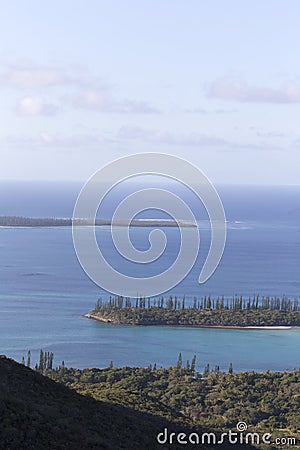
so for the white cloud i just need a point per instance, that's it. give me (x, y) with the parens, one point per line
(238, 90)
(73, 140)
(55, 140)
(35, 106)
(93, 141)
(80, 90)
(136, 106)
(170, 138)
(103, 101)
(34, 77)
(193, 140)
(91, 99)
(199, 110)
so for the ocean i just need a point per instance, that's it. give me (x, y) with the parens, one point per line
(45, 293)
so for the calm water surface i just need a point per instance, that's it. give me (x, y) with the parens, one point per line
(44, 292)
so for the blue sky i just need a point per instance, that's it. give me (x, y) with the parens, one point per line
(217, 83)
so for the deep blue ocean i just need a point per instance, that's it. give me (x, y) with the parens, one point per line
(45, 293)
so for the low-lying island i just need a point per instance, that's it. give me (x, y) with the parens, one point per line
(233, 313)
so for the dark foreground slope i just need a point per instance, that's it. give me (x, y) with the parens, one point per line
(39, 413)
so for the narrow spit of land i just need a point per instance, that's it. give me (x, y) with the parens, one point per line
(236, 312)
(19, 221)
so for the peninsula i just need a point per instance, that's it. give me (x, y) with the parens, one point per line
(236, 312)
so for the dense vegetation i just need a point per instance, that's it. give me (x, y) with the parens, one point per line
(236, 311)
(125, 408)
(20, 221)
(214, 399)
(110, 409)
(189, 400)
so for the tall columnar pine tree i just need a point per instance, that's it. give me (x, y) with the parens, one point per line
(193, 364)
(28, 358)
(179, 362)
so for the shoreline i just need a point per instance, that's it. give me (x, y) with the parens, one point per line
(224, 327)
(33, 222)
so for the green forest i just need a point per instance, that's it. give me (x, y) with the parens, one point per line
(87, 404)
(234, 312)
(213, 399)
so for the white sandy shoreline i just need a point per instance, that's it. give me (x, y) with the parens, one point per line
(267, 327)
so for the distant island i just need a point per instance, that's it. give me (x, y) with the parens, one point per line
(20, 221)
(236, 312)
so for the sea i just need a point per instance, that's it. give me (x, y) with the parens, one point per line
(45, 293)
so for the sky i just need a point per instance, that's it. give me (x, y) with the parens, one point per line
(85, 82)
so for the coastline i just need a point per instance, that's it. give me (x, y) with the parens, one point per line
(225, 327)
(32, 222)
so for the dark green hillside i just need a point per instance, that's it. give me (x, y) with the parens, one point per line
(39, 413)
(126, 408)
